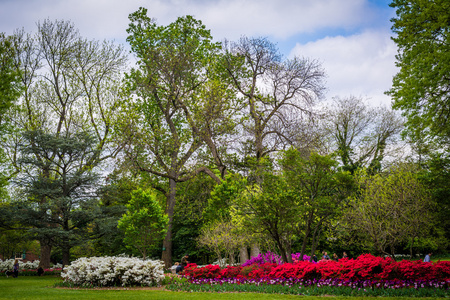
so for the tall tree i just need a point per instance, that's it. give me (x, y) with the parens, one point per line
(10, 89)
(276, 93)
(181, 107)
(10, 86)
(69, 192)
(421, 87)
(362, 136)
(71, 85)
(324, 187)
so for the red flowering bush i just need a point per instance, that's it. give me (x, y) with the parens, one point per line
(442, 270)
(366, 266)
(258, 270)
(302, 269)
(210, 271)
(230, 272)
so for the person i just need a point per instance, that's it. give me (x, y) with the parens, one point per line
(427, 257)
(174, 267)
(325, 256)
(335, 257)
(184, 260)
(314, 258)
(184, 263)
(16, 268)
(344, 255)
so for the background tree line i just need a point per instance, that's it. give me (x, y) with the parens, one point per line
(217, 149)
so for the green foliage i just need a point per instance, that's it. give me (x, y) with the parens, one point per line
(271, 208)
(420, 88)
(307, 290)
(192, 198)
(325, 189)
(10, 89)
(390, 209)
(10, 86)
(223, 197)
(435, 176)
(223, 238)
(144, 223)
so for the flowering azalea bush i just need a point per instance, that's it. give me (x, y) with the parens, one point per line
(365, 267)
(9, 263)
(270, 257)
(113, 271)
(28, 268)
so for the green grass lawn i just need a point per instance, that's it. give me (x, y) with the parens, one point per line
(32, 287)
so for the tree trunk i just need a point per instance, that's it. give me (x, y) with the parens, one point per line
(411, 248)
(65, 256)
(307, 232)
(254, 250)
(315, 239)
(65, 247)
(243, 254)
(289, 254)
(46, 250)
(167, 244)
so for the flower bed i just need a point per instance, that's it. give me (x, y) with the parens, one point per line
(365, 267)
(367, 275)
(28, 268)
(113, 271)
(7, 265)
(315, 287)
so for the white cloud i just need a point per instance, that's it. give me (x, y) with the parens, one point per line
(360, 65)
(226, 18)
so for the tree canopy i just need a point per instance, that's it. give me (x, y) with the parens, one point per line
(421, 87)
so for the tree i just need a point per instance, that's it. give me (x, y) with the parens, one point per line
(271, 208)
(144, 223)
(10, 86)
(10, 89)
(276, 94)
(420, 88)
(390, 208)
(71, 85)
(435, 175)
(179, 106)
(192, 198)
(324, 187)
(70, 205)
(223, 238)
(362, 136)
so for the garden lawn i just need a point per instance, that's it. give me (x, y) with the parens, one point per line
(42, 288)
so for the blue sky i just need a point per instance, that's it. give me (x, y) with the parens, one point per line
(351, 38)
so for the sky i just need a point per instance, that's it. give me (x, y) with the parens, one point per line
(350, 38)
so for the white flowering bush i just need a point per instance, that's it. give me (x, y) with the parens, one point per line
(113, 271)
(57, 266)
(8, 264)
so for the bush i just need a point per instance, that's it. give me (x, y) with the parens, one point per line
(113, 271)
